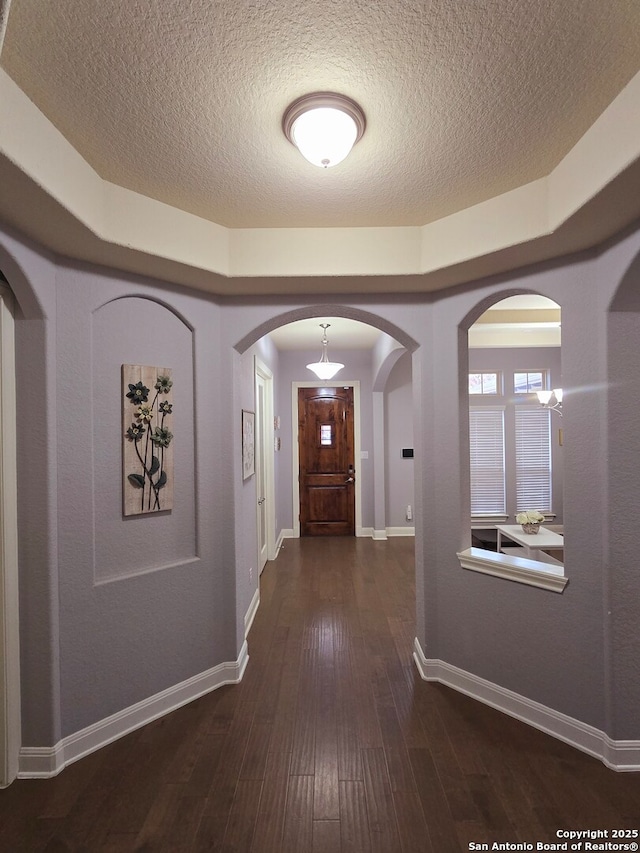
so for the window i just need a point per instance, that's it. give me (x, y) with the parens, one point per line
(533, 459)
(486, 440)
(528, 382)
(485, 383)
(326, 435)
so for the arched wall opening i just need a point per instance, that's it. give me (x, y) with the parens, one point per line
(380, 365)
(510, 443)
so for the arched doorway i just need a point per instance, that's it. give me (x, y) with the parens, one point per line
(288, 367)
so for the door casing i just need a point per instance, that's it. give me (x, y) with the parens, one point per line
(264, 458)
(295, 467)
(10, 728)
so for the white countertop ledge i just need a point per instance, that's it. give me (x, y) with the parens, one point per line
(519, 569)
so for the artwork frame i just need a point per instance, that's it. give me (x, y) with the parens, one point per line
(147, 423)
(248, 444)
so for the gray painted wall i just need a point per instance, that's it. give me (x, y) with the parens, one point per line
(398, 397)
(92, 648)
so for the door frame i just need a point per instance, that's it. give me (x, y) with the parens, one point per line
(10, 725)
(295, 467)
(264, 435)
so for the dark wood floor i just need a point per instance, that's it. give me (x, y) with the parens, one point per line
(331, 744)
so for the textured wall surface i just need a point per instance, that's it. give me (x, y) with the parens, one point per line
(89, 650)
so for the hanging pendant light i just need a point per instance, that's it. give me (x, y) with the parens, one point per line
(325, 369)
(324, 127)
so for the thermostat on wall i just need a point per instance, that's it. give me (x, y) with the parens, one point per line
(407, 452)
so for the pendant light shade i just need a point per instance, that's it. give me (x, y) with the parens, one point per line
(325, 369)
(324, 127)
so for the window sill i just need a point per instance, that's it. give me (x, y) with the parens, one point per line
(519, 569)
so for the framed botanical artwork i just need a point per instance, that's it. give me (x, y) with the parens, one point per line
(248, 444)
(147, 416)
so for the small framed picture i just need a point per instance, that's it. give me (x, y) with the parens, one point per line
(248, 444)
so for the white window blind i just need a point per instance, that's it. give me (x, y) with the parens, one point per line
(533, 459)
(486, 442)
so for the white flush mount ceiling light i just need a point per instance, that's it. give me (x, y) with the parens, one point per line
(324, 127)
(325, 369)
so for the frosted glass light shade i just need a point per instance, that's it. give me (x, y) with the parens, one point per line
(325, 369)
(544, 397)
(324, 127)
(324, 136)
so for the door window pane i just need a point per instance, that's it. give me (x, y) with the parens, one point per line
(326, 435)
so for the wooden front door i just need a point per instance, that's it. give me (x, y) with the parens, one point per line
(327, 473)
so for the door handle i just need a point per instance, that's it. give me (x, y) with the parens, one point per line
(261, 501)
(349, 480)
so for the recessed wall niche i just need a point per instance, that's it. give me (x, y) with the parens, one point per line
(141, 331)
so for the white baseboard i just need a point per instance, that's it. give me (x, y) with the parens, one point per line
(379, 535)
(401, 531)
(250, 615)
(44, 762)
(364, 531)
(621, 755)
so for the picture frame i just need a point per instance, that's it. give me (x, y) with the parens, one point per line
(147, 435)
(248, 444)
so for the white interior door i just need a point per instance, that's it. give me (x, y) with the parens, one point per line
(9, 635)
(265, 491)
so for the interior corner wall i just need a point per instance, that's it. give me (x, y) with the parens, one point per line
(399, 475)
(623, 590)
(246, 551)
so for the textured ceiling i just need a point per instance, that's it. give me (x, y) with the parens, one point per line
(182, 100)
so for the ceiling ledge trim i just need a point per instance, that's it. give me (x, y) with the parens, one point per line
(490, 237)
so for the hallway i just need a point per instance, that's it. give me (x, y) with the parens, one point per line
(331, 744)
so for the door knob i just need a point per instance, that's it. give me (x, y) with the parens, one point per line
(349, 480)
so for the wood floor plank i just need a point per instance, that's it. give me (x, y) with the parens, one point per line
(271, 812)
(242, 817)
(326, 837)
(298, 822)
(354, 821)
(383, 830)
